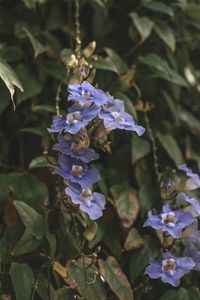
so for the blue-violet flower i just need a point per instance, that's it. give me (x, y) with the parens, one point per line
(76, 171)
(90, 203)
(170, 269)
(170, 221)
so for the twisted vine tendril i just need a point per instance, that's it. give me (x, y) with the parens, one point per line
(154, 147)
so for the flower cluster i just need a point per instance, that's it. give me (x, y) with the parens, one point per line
(179, 224)
(88, 104)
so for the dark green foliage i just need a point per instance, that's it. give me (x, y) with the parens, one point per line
(148, 56)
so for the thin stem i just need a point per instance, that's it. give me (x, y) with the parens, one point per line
(78, 31)
(154, 147)
(58, 99)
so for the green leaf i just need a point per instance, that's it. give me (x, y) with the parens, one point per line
(37, 46)
(139, 148)
(45, 107)
(143, 24)
(64, 293)
(26, 244)
(86, 277)
(112, 62)
(116, 61)
(189, 120)
(140, 258)
(11, 53)
(32, 86)
(166, 34)
(126, 204)
(43, 161)
(116, 279)
(54, 69)
(25, 187)
(45, 289)
(171, 147)
(159, 7)
(4, 97)
(147, 197)
(32, 3)
(161, 69)
(133, 240)
(31, 219)
(193, 11)
(10, 78)
(22, 280)
(35, 130)
(181, 294)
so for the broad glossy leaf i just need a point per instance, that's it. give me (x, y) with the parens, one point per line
(116, 279)
(126, 203)
(10, 78)
(133, 240)
(86, 277)
(27, 244)
(159, 7)
(43, 161)
(139, 148)
(171, 147)
(143, 24)
(31, 219)
(166, 34)
(22, 280)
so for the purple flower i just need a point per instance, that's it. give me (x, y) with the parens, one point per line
(73, 148)
(78, 116)
(171, 221)
(194, 208)
(85, 92)
(114, 116)
(194, 254)
(194, 181)
(170, 269)
(90, 203)
(76, 171)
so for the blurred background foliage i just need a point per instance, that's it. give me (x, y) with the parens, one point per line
(147, 54)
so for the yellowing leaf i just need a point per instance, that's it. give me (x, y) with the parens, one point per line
(91, 231)
(62, 271)
(126, 203)
(116, 279)
(133, 240)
